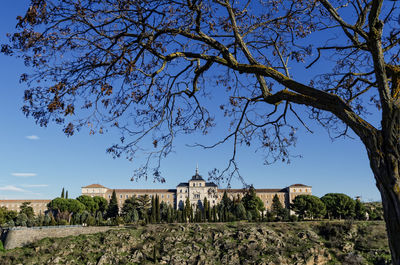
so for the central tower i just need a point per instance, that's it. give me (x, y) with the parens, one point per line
(197, 189)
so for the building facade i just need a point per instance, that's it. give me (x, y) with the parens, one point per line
(39, 206)
(196, 189)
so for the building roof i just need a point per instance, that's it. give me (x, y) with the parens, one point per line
(244, 190)
(197, 177)
(183, 184)
(94, 186)
(28, 200)
(211, 184)
(299, 185)
(143, 190)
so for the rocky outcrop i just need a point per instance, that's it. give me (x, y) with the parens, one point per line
(24, 236)
(238, 243)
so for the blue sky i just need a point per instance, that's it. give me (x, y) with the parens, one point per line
(38, 162)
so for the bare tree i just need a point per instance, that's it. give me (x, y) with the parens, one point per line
(147, 67)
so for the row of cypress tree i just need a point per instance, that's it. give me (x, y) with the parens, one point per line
(151, 210)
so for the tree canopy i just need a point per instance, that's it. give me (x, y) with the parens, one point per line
(308, 206)
(27, 209)
(66, 205)
(253, 204)
(90, 204)
(149, 67)
(339, 205)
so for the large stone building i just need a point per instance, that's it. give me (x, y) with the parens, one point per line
(196, 189)
(39, 206)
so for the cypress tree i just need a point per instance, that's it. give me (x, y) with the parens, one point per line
(205, 209)
(62, 193)
(158, 212)
(198, 216)
(66, 195)
(191, 214)
(276, 206)
(188, 209)
(180, 217)
(209, 212)
(153, 210)
(112, 210)
(214, 214)
(169, 214)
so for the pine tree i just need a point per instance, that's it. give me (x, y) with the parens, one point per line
(112, 210)
(360, 210)
(62, 193)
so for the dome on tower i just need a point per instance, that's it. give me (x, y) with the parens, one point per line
(197, 175)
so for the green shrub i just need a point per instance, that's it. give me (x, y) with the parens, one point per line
(63, 222)
(293, 218)
(1, 247)
(90, 221)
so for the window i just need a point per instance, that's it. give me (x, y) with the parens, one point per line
(109, 196)
(168, 196)
(126, 196)
(151, 195)
(120, 196)
(200, 184)
(162, 196)
(194, 184)
(181, 190)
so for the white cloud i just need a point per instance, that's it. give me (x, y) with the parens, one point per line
(23, 174)
(35, 185)
(32, 137)
(11, 188)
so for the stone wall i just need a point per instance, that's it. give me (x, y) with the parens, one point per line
(21, 237)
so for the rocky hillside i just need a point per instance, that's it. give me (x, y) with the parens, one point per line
(229, 243)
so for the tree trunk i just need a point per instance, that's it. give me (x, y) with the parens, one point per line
(385, 166)
(391, 207)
